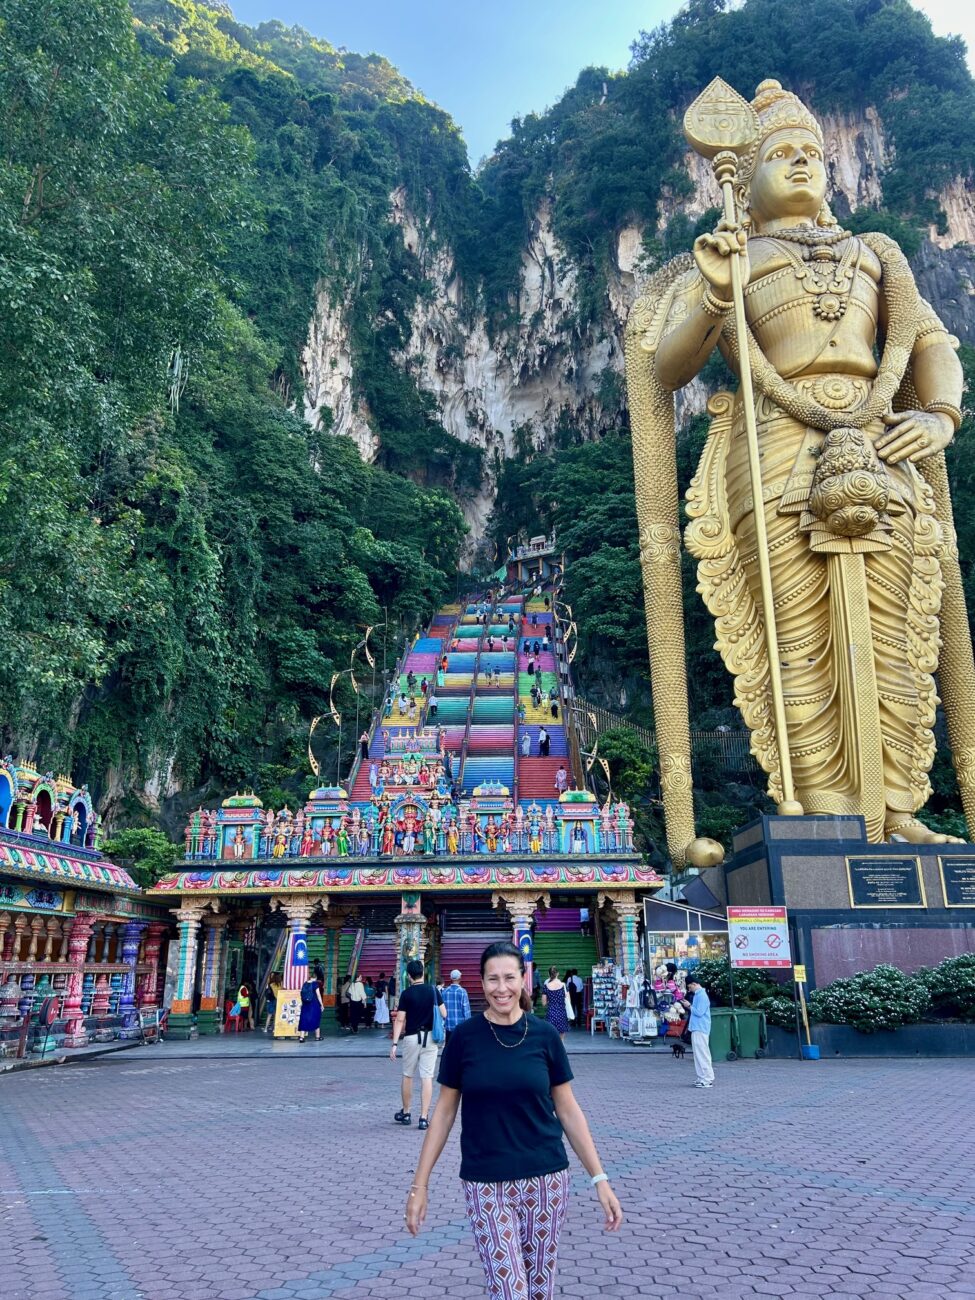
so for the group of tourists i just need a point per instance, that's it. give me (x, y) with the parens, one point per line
(544, 744)
(361, 1002)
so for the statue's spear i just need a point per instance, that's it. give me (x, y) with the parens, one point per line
(720, 125)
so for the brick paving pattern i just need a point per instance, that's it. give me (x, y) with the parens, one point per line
(249, 1178)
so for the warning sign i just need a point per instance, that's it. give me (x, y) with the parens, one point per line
(759, 937)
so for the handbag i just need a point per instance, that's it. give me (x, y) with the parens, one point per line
(570, 1010)
(235, 1009)
(439, 1032)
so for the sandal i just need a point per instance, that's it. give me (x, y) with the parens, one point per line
(424, 1122)
(403, 1117)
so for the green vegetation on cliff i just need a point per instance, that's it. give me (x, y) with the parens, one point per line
(182, 583)
(183, 561)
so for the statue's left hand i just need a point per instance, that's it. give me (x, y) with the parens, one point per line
(914, 435)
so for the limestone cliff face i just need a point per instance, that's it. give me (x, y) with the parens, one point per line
(514, 388)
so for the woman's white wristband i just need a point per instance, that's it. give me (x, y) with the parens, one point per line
(600, 1178)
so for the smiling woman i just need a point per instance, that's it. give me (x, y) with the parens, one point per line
(512, 1072)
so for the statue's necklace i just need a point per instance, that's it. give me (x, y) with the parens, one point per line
(817, 270)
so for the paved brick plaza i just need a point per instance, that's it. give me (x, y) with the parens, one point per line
(172, 1174)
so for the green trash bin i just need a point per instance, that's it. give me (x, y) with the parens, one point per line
(751, 1037)
(723, 1034)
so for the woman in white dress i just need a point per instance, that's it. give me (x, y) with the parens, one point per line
(381, 1018)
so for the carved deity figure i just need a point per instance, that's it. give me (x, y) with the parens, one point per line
(856, 393)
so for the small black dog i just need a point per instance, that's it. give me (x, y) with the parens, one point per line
(678, 1050)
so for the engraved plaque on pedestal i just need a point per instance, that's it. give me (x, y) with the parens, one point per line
(885, 882)
(957, 880)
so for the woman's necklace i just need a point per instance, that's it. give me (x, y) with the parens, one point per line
(499, 1041)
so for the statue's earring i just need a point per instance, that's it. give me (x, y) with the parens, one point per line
(826, 217)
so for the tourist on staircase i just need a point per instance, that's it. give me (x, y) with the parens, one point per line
(561, 780)
(544, 743)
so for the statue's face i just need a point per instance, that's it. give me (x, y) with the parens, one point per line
(790, 177)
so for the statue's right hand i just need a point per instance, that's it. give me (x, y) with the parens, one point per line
(713, 254)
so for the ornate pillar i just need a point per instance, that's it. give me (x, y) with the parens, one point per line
(410, 936)
(78, 940)
(6, 935)
(107, 932)
(102, 1001)
(628, 911)
(130, 936)
(149, 993)
(53, 932)
(298, 908)
(181, 1024)
(520, 905)
(209, 1019)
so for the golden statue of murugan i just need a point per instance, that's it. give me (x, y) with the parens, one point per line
(827, 607)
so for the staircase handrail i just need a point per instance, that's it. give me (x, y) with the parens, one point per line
(465, 743)
(570, 726)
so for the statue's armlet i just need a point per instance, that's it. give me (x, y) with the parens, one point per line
(688, 294)
(931, 330)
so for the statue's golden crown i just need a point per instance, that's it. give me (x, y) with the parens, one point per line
(777, 109)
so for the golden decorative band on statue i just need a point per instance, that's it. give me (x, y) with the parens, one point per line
(820, 514)
(953, 412)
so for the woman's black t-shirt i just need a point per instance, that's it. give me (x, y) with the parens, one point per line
(509, 1128)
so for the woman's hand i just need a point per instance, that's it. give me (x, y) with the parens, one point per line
(416, 1210)
(713, 254)
(914, 435)
(611, 1206)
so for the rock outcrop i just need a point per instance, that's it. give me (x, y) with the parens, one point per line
(506, 391)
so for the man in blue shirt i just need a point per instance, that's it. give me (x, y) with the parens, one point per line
(700, 1030)
(456, 1003)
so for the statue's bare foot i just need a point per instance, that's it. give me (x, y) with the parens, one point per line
(913, 831)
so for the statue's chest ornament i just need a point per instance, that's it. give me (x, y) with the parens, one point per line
(820, 270)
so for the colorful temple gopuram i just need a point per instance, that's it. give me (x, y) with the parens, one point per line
(468, 817)
(77, 936)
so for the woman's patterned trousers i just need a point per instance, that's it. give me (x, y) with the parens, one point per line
(516, 1229)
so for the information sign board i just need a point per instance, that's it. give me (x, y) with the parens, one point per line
(759, 937)
(885, 882)
(799, 974)
(958, 880)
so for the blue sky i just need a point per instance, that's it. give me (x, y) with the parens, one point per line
(487, 61)
(484, 61)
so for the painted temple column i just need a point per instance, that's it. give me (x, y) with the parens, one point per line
(520, 906)
(181, 1023)
(209, 1019)
(611, 930)
(627, 911)
(6, 936)
(78, 940)
(130, 937)
(298, 909)
(149, 991)
(411, 940)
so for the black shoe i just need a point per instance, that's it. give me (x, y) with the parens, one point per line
(424, 1123)
(403, 1117)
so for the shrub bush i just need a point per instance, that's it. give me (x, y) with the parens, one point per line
(883, 998)
(779, 1009)
(951, 986)
(751, 986)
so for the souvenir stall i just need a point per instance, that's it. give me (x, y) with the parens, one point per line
(676, 939)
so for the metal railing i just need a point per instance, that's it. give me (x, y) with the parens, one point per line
(731, 748)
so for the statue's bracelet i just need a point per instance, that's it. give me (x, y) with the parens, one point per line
(945, 408)
(715, 306)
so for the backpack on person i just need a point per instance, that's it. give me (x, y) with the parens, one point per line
(307, 992)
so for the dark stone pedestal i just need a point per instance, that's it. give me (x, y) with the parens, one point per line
(207, 1022)
(852, 904)
(182, 1028)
